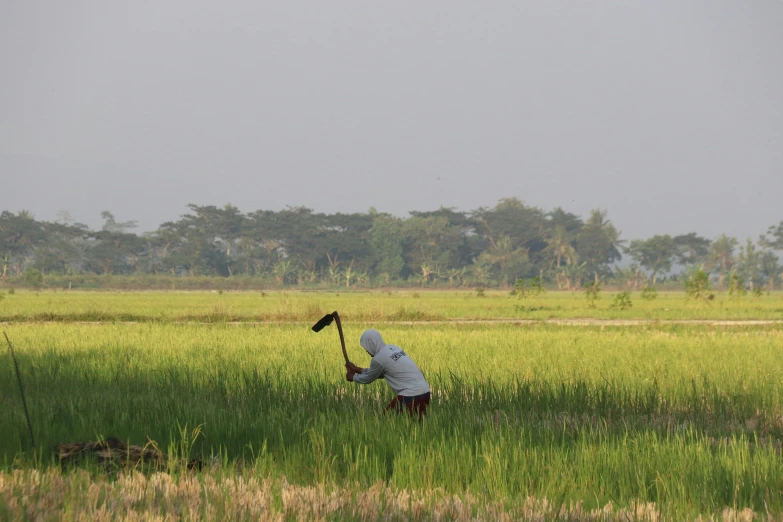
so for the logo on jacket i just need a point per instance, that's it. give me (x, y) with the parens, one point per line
(396, 356)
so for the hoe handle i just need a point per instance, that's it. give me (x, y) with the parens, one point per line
(342, 338)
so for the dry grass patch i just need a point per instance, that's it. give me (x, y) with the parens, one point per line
(51, 495)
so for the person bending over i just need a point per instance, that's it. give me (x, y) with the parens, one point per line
(391, 363)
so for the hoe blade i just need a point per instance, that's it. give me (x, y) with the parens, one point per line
(323, 322)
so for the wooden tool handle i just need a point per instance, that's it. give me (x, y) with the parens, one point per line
(342, 338)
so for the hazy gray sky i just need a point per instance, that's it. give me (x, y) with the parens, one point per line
(667, 113)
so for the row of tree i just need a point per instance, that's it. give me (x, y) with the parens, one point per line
(484, 247)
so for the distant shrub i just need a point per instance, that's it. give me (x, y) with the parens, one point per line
(649, 293)
(33, 278)
(480, 292)
(592, 293)
(622, 301)
(736, 287)
(697, 287)
(11, 291)
(529, 289)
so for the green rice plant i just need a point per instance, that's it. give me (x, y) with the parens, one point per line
(305, 307)
(594, 414)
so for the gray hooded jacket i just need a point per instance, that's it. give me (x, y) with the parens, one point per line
(391, 363)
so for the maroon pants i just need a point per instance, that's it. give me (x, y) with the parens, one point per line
(413, 405)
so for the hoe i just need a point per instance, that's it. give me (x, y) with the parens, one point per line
(326, 321)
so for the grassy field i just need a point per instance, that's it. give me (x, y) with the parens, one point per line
(370, 306)
(536, 420)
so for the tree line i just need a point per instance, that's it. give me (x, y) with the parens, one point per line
(446, 247)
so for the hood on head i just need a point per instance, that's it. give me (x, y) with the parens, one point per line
(372, 342)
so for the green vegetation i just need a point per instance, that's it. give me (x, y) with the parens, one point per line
(592, 293)
(218, 248)
(622, 301)
(529, 289)
(697, 286)
(736, 287)
(649, 293)
(366, 306)
(671, 420)
(33, 278)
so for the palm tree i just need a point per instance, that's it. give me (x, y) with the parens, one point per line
(770, 268)
(246, 245)
(722, 254)
(749, 262)
(335, 274)
(481, 269)
(570, 277)
(384, 278)
(271, 246)
(458, 275)
(281, 270)
(598, 243)
(559, 247)
(426, 272)
(5, 267)
(350, 275)
(363, 278)
(511, 262)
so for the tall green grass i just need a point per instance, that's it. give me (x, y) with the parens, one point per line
(688, 417)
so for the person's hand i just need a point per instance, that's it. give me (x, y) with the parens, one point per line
(349, 375)
(351, 366)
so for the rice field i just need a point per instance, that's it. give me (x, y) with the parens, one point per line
(423, 305)
(655, 421)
